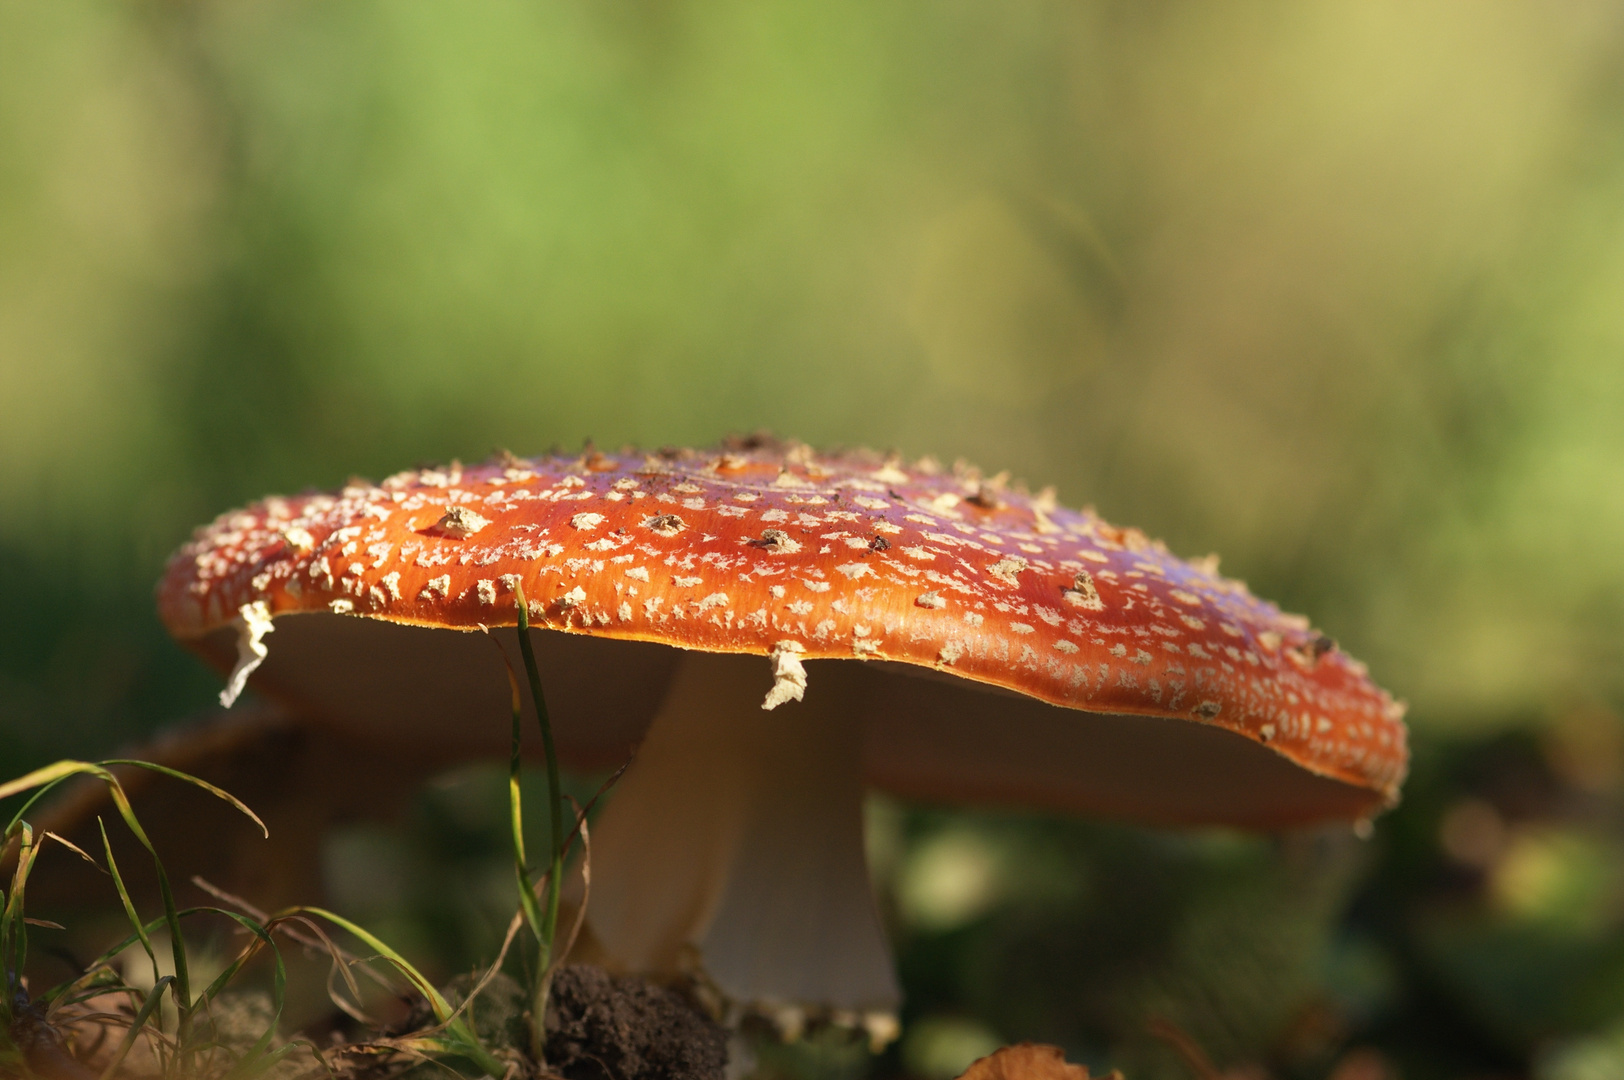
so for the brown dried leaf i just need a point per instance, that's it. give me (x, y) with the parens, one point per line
(1029, 1061)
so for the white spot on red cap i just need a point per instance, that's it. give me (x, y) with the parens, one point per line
(1083, 593)
(779, 542)
(1006, 569)
(789, 675)
(459, 522)
(299, 540)
(659, 524)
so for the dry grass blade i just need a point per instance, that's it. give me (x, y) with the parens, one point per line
(76, 849)
(586, 887)
(316, 938)
(459, 1036)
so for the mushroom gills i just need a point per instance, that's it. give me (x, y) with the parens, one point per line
(734, 845)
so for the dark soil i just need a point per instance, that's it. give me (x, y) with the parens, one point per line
(605, 1027)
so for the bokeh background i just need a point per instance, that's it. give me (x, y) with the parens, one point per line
(1335, 290)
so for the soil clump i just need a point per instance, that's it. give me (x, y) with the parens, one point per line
(616, 1027)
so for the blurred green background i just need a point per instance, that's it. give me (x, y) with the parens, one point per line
(1336, 290)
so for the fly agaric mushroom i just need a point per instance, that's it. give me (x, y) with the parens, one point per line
(932, 633)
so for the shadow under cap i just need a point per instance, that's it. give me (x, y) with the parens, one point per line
(926, 736)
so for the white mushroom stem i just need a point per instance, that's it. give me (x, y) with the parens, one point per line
(734, 844)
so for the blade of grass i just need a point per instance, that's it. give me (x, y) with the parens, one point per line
(274, 1057)
(182, 993)
(461, 1038)
(176, 774)
(555, 816)
(247, 1065)
(586, 888)
(47, 776)
(124, 898)
(521, 867)
(316, 939)
(13, 927)
(491, 971)
(105, 960)
(75, 848)
(153, 999)
(555, 819)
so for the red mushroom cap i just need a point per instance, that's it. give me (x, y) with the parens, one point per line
(769, 548)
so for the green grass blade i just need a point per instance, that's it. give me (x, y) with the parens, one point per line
(555, 809)
(182, 994)
(261, 937)
(245, 1070)
(153, 999)
(460, 1038)
(555, 817)
(437, 1002)
(13, 927)
(152, 925)
(45, 778)
(521, 867)
(253, 1061)
(204, 785)
(124, 898)
(45, 774)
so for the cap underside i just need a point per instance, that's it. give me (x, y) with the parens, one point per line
(931, 738)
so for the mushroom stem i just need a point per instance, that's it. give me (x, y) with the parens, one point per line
(733, 848)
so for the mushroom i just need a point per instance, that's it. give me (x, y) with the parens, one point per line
(901, 627)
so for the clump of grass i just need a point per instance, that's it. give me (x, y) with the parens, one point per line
(92, 1025)
(37, 1032)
